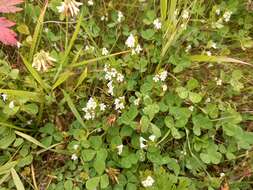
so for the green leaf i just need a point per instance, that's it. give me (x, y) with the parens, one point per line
(88, 154)
(92, 183)
(82, 77)
(95, 142)
(7, 167)
(163, 8)
(192, 84)
(18, 183)
(7, 137)
(30, 108)
(144, 123)
(202, 121)
(151, 110)
(195, 97)
(148, 34)
(182, 92)
(104, 181)
(99, 165)
(62, 78)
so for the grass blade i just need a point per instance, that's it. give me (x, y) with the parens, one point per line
(16, 179)
(63, 77)
(163, 7)
(2, 180)
(7, 167)
(37, 31)
(81, 78)
(73, 108)
(35, 74)
(30, 139)
(13, 126)
(32, 96)
(206, 58)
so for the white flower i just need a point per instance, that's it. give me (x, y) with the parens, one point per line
(4, 97)
(89, 48)
(91, 104)
(156, 78)
(120, 16)
(157, 24)
(19, 45)
(105, 51)
(142, 143)
(188, 48)
(11, 105)
(185, 14)
(219, 82)
(227, 16)
(90, 3)
(163, 75)
(102, 107)
(75, 147)
(152, 137)
(74, 157)
(213, 45)
(89, 114)
(120, 77)
(208, 100)
(222, 174)
(208, 53)
(111, 87)
(69, 6)
(191, 108)
(120, 149)
(137, 101)
(164, 87)
(137, 50)
(130, 42)
(42, 61)
(148, 182)
(119, 103)
(217, 11)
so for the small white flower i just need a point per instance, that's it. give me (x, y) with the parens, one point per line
(222, 174)
(74, 157)
(90, 3)
(75, 147)
(208, 53)
(91, 104)
(219, 82)
(19, 45)
(163, 75)
(208, 100)
(138, 49)
(120, 149)
(130, 42)
(188, 48)
(89, 48)
(119, 103)
(11, 105)
(4, 97)
(69, 6)
(191, 108)
(156, 78)
(102, 107)
(137, 101)
(120, 77)
(152, 137)
(105, 51)
(110, 88)
(157, 24)
(120, 16)
(227, 16)
(217, 11)
(164, 87)
(213, 45)
(142, 143)
(185, 14)
(148, 182)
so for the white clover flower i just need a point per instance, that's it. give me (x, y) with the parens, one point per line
(11, 105)
(152, 138)
(185, 14)
(137, 101)
(91, 104)
(105, 51)
(120, 77)
(110, 88)
(208, 53)
(130, 42)
(119, 103)
(74, 157)
(4, 97)
(75, 147)
(157, 24)
(142, 143)
(156, 78)
(90, 3)
(42, 61)
(69, 6)
(102, 107)
(227, 15)
(164, 87)
(163, 75)
(120, 149)
(148, 182)
(191, 108)
(120, 16)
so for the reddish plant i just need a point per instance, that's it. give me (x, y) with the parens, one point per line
(8, 36)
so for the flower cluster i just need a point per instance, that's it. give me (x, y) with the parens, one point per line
(161, 76)
(119, 103)
(131, 43)
(91, 107)
(69, 6)
(148, 182)
(4, 97)
(111, 75)
(42, 61)
(226, 18)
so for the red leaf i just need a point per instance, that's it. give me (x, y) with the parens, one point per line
(7, 36)
(9, 6)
